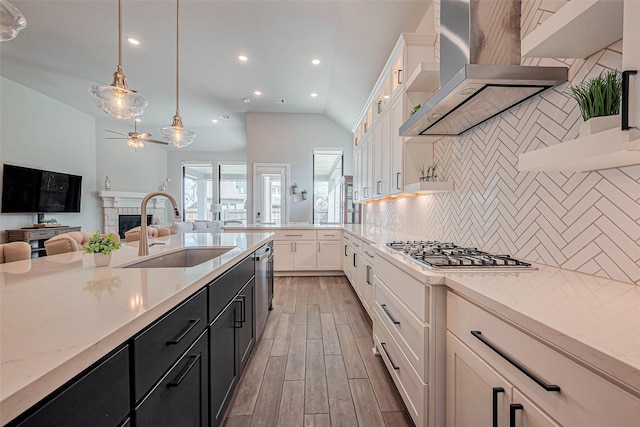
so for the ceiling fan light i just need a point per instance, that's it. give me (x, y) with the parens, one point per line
(176, 134)
(11, 21)
(135, 143)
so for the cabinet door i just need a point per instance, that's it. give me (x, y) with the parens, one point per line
(357, 173)
(356, 262)
(369, 157)
(347, 267)
(246, 323)
(222, 357)
(181, 397)
(476, 394)
(524, 413)
(397, 146)
(329, 255)
(99, 398)
(382, 155)
(283, 255)
(304, 255)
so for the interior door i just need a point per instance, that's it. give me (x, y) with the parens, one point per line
(270, 195)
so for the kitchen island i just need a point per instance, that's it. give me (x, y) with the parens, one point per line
(61, 314)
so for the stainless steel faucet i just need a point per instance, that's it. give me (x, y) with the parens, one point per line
(143, 246)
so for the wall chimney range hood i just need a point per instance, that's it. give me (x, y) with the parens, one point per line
(480, 71)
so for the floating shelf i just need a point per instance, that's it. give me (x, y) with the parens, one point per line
(425, 78)
(604, 150)
(577, 30)
(428, 187)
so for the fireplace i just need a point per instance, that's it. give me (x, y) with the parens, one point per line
(127, 222)
(125, 203)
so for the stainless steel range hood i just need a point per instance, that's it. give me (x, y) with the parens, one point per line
(480, 75)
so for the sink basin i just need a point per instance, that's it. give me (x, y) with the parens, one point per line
(187, 257)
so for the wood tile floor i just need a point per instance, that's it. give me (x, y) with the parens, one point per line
(314, 365)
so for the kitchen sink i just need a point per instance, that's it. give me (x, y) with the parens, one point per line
(187, 257)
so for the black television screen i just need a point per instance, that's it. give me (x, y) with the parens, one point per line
(26, 190)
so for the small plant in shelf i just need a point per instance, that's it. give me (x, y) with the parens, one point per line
(294, 188)
(415, 109)
(303, 193)
(598, 98)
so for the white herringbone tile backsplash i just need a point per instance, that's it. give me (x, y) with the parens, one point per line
(587, 222)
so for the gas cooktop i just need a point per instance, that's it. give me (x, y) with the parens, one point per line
(449, 256)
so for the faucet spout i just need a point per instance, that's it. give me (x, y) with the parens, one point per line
(143, 245)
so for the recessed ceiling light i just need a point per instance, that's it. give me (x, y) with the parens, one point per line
(386, 97)
(215, 120)
(315, 61)
(133, 41)
(243, 58)
(257, 93)
(314, 95)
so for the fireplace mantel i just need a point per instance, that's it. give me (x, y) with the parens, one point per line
(128, 199)
(115, 203)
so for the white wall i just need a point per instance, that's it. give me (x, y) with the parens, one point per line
(128, 170)
(40, 132)
(290, 138)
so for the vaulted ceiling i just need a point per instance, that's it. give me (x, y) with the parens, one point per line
(71, 44)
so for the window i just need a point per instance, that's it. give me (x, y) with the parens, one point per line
(233, 192)
(197, 190)
(327, 171)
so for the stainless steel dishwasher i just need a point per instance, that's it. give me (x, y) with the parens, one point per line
(264, 285)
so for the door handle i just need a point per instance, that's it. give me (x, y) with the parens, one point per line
(367, 276)
(384, 347)
(400, 77)
(495, 391)
(397, 180)
(185, 372)
(512, 413)
(318, 247)
(192, 324)
(354, 261)
(345, 250)
(384, 308)
(624, 108)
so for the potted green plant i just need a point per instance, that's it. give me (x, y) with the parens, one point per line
(304, 194)
(101, 247)
(599, 102)
(294, 188)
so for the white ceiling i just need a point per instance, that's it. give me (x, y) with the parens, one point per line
(71, 44)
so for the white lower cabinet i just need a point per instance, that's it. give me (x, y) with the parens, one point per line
(498, 375)
(282, 255)
(329, 256)
(294, 255)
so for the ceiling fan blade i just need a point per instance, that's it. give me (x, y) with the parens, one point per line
(117, 138)
(155, 141)
(113, 131)
(144, 135)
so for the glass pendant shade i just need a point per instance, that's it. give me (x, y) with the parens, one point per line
(176, 134)
(117, 100)
(135, 143)
(11, 21)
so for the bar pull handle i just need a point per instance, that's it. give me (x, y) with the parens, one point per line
(318, 247)
(384, 307)
(367, 276)
(345, 250)
(495, 392)
(379, 107)
(354, 261)
(400, 76)
(378, 187)
(192, 324)
(384, 347)
(398, 180)
(512, 413)
(518, 365)
(293, 235)
(185, 372)
(624, 110)
(368, 254)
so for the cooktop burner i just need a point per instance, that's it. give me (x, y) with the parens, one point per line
(447, 255)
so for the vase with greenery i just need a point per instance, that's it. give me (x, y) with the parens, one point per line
(599, 97)
(303, 193)
(101, 247)
(294, 188)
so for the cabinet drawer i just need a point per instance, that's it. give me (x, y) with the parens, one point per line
(295, 235)
(98, 398)
(181, 397)
(413, 391)
(42, 234)
(408, 331)
(223, 289)
(158, 347)
(357, 244)
(329, 234)
(585, 398)
(409, 291)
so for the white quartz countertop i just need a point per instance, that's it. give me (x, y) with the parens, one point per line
(595, 320)
(239, 227)
(60, 314)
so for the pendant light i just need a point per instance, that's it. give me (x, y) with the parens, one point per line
(116, 99)
(11, 21)
(176, 134)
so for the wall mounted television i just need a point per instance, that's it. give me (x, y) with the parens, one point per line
(26, 190)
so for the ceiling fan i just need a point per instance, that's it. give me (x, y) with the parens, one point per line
(135, 139)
